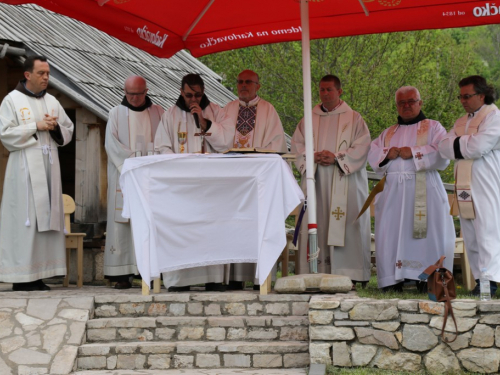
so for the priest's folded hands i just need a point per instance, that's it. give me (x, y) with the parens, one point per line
(48, 123)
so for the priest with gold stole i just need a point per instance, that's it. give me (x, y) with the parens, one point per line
(341, 144)
(474, 144)
(413, 227)
(33, 125)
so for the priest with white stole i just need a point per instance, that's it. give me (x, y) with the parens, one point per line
(130, 132)
(194, 125)
(474, 144)
(413, 227)
(256, 124)
(33, 125)
(341, 144)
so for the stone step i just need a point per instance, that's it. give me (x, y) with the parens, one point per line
(201, 304)
(252, 328)
(225, 371)
(195, 354)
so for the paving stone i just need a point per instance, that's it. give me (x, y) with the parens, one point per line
(181, 321)
(277, 308)
(258, 321)
(111, 362)
(236, 334)
(362, 354)
(92, 363)
(320, 353)
(34, 340)
(224, 297)
(493, 319)
(64, 360)
(4, 368)
(374, 311)
(156, 309)
(464, 309)
(377, 337)
(191, 333)
(94, 349)
(208, 361)
(125, 298)
(387, 326)
(263, 347)
(283, 298)
(131, 361)
(433, 308)
(415, 318)
(410, 306)
(267, 360)
(106, 334)
(262, 334)
(480, 360)
(84, 303)
(106, 311)
(24, 356)
(294, 334)
(183, 361)
(296, 360)
(156, 347)
(126, 347)
(172, 297)
(488, 306)
(165, 333)
(132, 309)
(320, 316)
(14, 302)
(441, 360)
(28, 321)
(159, 361)
(235, 308)
(483, 336)
(44, 309)
(300, 308)
(27, 370)
(77, 330)
(335, 284)
(331, 333)
(418, 338)
(289, 321)
(408, 362)
(177, 309)
(213, 309)
(463, 324)
(340, 315)
(74, 314)
(12, 343)
(324, 303)
(135, 334)
(226, 322)
(290, 284)
(197, 347)
(236, 360)
(341, 354)
(216, 334)
(143, 322)
(349, 323)
(255, 308)
(53, 336)
(57, 321)
(6, 327)
(195, 308)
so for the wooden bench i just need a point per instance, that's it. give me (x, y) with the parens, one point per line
(73, 241)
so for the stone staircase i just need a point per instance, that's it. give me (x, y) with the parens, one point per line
(197, 330)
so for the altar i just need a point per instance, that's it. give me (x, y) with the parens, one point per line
(190, 210)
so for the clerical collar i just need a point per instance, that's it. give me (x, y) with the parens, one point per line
(417, 119)
(181, 103)
(476, 111)
(21, 87)
(146, 105)
(324, 109)
(251, 103)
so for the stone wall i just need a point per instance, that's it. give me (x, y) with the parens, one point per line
(404, 334)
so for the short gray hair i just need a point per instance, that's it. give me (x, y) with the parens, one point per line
(404, 90)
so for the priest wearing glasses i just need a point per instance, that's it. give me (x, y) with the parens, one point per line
(413, 227)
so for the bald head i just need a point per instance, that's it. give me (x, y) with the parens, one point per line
(248, 85)
(135, 90)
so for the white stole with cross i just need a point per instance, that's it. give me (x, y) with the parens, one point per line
(463, 167)
(48, 206)
(340, 183)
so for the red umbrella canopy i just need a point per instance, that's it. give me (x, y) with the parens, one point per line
(206, 26)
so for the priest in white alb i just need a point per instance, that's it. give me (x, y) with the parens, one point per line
(33, 125)
(255, 124)
(413, 226)
(130, 132)
(474, 144)
(194, 125)
(341, 144)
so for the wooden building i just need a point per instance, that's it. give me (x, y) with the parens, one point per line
(88, 69)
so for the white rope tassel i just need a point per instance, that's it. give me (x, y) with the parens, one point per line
(47, 150)
(27, 223)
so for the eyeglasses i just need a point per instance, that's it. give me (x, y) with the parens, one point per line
(136, 93)
(245, 81)
(189, 95)
(466, 96)
(410, 102)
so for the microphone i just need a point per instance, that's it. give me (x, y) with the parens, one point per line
(196, 120)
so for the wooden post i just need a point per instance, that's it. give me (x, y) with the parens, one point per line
(265, 288)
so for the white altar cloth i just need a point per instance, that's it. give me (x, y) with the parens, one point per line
(196, 210)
